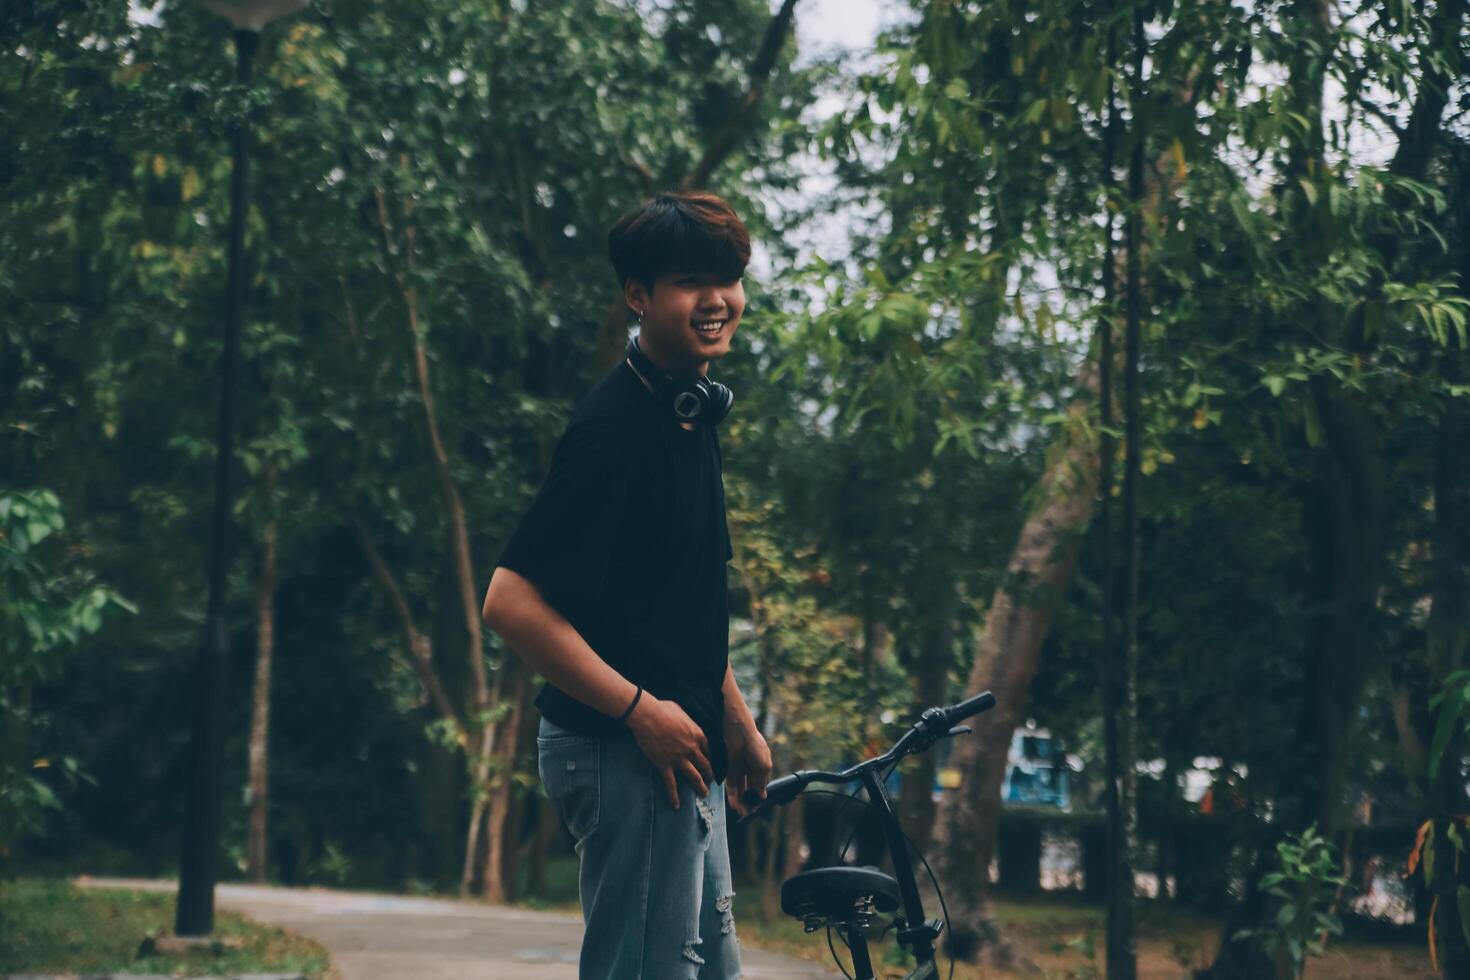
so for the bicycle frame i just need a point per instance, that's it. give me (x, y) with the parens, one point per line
(917, 934)
(920, 939)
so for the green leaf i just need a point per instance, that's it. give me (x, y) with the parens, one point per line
(1242, 213)
(1275, 383)
(1450, 710)
(38, 531)
(1312, 422)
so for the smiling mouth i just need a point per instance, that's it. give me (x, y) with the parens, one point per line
(710, 327)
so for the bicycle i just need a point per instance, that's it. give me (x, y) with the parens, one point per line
(844, 897)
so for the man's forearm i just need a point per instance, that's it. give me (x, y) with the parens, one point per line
(736, 710)
(551, 646)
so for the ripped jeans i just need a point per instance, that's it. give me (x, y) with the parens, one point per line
(654, 881)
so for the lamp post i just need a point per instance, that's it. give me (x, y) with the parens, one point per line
(194, 913)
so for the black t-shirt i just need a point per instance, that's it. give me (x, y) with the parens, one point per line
(627, 539)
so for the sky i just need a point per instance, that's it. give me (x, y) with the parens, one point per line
(824, 27)
(845, 23)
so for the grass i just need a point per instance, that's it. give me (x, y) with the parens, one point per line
(51, 926)
(1064, 939)
(1062, 936)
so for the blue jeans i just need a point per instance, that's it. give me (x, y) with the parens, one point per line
(654, 881)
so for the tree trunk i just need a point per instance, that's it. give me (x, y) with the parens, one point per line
(1122, 942)
(548, 822)
(520, 833)
(516, 688)
(873, 653)
(1020, 616)
(779, 829)
(938, 607)
(1449, 629)
(479, 737)
(790, 843)
(479, 778)
(257, 853)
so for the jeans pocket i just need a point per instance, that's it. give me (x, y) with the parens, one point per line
(570, 771)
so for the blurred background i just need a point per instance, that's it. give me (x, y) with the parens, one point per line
(946, 225)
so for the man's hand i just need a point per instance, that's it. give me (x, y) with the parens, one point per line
(750, 761)
(673, 743)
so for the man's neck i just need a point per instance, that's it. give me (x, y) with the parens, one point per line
(664, 363)
(646, 384)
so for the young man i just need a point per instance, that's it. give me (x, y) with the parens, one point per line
(613, 589)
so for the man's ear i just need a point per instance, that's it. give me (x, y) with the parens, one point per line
(637, 296)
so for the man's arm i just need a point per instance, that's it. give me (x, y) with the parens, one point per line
(750, 757)
(736, 710)
(551, 646)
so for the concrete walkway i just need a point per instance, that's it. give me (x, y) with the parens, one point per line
(397, 937)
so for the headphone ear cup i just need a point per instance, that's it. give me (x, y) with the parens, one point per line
(721, 399)
(691, 404)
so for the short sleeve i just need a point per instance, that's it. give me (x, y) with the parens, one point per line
(565, 541)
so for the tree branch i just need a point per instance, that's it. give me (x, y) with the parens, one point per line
(419, 647)
(458, 531)
(729, 135)
(1411, 158)
(640, 169)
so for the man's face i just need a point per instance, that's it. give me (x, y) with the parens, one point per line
(688, 319)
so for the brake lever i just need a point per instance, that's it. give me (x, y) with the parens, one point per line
(959, 730)
(760, 809)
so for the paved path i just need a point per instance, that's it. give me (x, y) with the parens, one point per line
(398, 937)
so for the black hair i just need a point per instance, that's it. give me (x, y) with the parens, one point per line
(684, 231)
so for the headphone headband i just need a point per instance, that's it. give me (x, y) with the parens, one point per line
(696, 399)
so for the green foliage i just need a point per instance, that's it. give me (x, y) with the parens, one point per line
(49, 602)
(1304, 887)
(1451, 720)
(334, 867)
(1086, 946)
(800, 665)
(1441, 851)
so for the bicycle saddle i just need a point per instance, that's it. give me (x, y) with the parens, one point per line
(835, 892)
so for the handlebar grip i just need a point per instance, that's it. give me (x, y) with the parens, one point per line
(983, 701)
(778, 791)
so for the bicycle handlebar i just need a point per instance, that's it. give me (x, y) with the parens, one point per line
(983, 701)
(934, 724)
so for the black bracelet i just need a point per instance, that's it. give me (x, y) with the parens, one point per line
(631, 706)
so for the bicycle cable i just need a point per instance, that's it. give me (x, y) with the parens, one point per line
(913, 848)
(847, 798)
(933, 879)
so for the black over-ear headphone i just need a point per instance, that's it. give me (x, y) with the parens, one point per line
(696, 399)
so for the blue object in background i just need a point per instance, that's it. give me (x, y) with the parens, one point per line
(1036, 770)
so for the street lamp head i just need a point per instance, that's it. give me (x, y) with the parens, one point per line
(252, 15)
